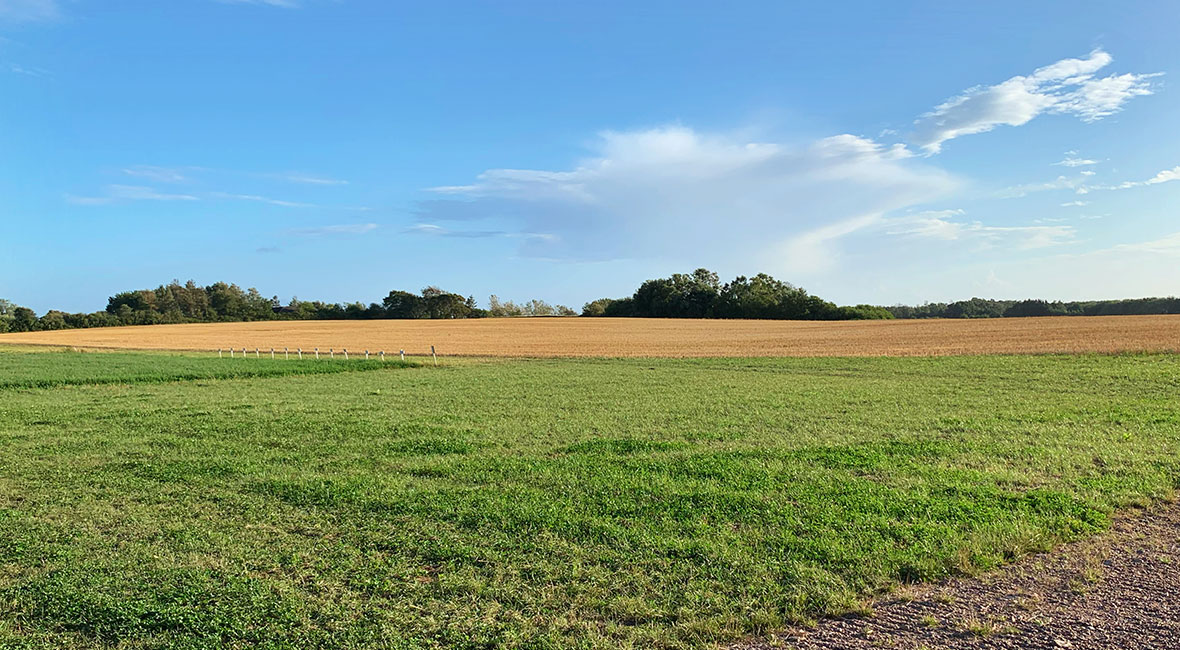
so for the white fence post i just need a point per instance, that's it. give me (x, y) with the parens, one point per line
(272, 354)
(366, 355)
(256, 353)
(218, 353)
(434, 355)
(300, 354)
(243, 353)
(331, 353)
(231, 353)
(382, 353)
(317, 354)
(346, 354)
(286, 354)
(403, 354)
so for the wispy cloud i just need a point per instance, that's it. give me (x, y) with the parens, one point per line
(1080, 185)
(1074, 204)
(339, 229)
(1060, 183)
(434, 230)
(1167, 245)
(267, 249)
(942, 225)
(117, 193)
(307, 179)
(1068, 86)
(439, 231)
(285, 4)
(16, 68)
(261, 199)
(158, 174)
(19, 11)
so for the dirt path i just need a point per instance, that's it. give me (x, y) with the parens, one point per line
(1120, 590)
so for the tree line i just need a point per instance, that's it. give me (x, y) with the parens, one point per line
(224, 302)
(701, 294)
(985, 308)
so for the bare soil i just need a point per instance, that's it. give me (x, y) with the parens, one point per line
(1119, 590)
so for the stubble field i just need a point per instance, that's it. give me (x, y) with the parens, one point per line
(609, 337)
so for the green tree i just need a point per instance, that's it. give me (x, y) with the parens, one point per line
(23, 320)
(6, 317)
(403, 304)
(52, 320)
(689, 295)
(596, 307)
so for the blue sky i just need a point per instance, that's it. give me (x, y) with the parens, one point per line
(337, 149)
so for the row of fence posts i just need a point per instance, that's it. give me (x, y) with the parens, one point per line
(331, 353)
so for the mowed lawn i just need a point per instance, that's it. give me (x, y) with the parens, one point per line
(542, 504)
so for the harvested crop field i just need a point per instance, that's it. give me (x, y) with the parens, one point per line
(610, 337)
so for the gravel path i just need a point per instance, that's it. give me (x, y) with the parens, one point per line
(1119, 590)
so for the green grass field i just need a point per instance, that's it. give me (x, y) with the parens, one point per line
(162, 501)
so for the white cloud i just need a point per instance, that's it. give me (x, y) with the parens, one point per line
(1067, 86)
(339, 229)
(675, 192)
(942, 226)
(1076, 162)
(1074, 204)
(1165, 176)
(29, 10)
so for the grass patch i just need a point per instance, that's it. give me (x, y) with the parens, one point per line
(67, 367)
(545, 504)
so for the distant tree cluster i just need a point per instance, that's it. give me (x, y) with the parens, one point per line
(222, 302)
(985, 308)
(14, 318)
(700, 294)
(506, 308)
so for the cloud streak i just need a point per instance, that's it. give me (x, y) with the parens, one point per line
(118, 193)
(307, 179)
(942, 225)
(284, 4)
(338, 229)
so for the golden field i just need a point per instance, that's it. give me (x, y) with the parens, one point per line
(635, 337)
